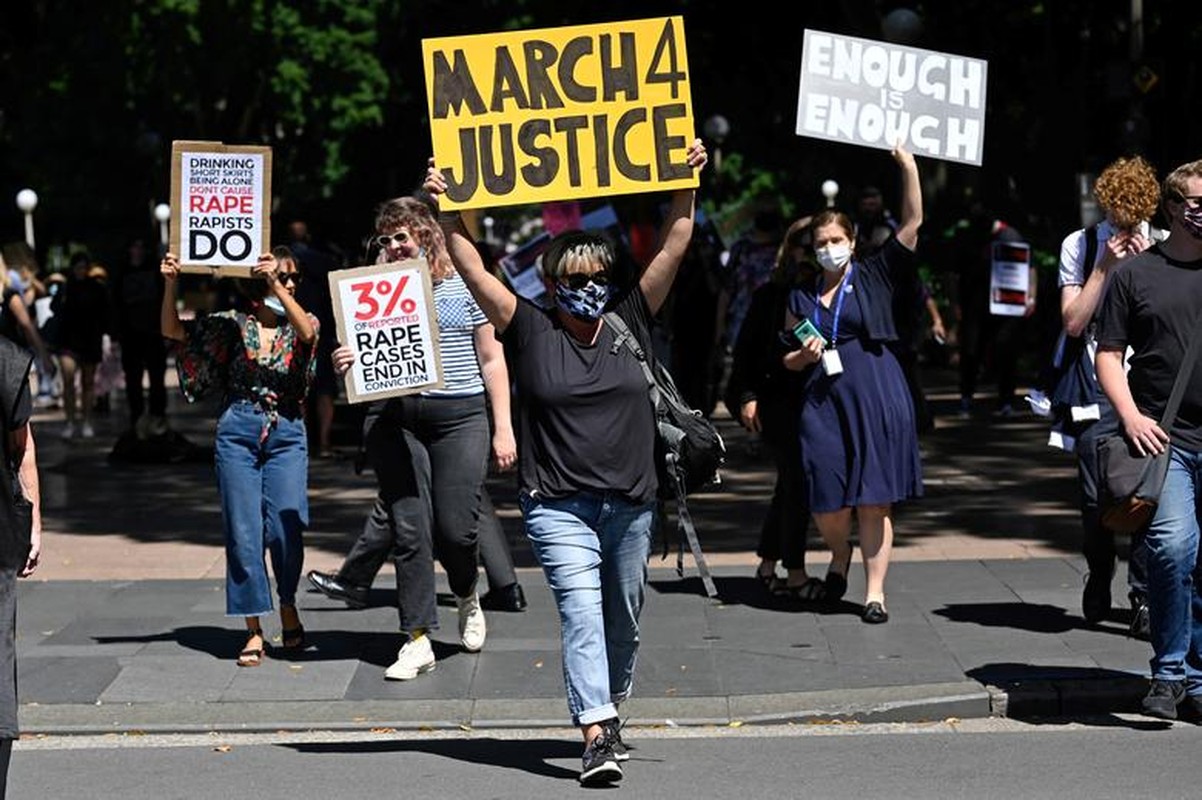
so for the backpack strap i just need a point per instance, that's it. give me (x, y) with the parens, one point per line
(684, 520)
(1091, 248)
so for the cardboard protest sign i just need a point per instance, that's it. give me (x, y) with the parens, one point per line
(1010, 279)
(386, 314)
(220, 206)
(522, 272)
(876, 94)
(560, 113)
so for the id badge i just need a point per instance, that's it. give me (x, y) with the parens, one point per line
(831, 363)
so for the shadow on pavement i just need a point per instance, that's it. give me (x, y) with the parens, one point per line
(1043, 693)
(749, 592)
(1034, 617)
(526, 755)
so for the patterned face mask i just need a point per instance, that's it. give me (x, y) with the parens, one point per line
(1193, 220)
(586, 303)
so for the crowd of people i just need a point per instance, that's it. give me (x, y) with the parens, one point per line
(821, 317)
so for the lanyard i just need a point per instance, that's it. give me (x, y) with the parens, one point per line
(840, 293)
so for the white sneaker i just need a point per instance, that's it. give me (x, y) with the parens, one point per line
(472, 629)
(68, 431)
(88, 431)
(415, 657)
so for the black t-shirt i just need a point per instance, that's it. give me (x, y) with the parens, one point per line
(1152, 305)
(16, 406)
(584, 415)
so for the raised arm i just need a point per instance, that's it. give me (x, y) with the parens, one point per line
(173, 329)
(674, 237)
(494, 298)
(268, 269)
(911, 199)
(1079, 302)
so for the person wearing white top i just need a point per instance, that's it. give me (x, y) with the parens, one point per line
(1128, 193)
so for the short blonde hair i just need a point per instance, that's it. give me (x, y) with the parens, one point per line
(1128, 191)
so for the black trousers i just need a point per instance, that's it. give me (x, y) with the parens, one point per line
(783, 532)
(144, 353)
(1098, 543)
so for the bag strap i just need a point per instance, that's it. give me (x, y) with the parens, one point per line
(1183, 375)
(684, 520)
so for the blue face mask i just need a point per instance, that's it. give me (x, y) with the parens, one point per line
(275, 304)
(585, 304)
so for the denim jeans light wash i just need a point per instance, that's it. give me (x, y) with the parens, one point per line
(264, 506)
(1174, 603)
(593, 549)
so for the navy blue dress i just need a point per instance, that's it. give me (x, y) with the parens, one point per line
(859, 442)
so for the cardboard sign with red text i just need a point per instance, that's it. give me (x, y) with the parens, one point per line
(386, 315)
(220, 206)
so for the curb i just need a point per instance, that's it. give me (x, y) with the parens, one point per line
(920, 703)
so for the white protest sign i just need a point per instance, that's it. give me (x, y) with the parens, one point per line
(877, 94)
(220, 206)
(1010, 279)
(386, 314)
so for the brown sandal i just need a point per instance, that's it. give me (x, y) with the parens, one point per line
(252, 656)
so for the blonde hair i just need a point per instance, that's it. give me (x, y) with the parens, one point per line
(1128, 191)
(411, 213)
(1176, 183)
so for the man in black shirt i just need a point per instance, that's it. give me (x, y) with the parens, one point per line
(1153, 306)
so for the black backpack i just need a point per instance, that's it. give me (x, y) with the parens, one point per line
(1070, 379)
(688, 448)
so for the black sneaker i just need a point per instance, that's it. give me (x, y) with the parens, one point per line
(1191, 709)
(1095, 600)
(1141, 623)
(1163, 698)
(600, 765)
(613, 729)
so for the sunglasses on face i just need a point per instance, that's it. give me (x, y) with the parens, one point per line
(578, 280)
(289, 277)
(398, 239)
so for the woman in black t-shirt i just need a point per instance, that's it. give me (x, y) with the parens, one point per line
(586, 437)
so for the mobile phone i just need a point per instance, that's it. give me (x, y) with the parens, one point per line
(806, 330)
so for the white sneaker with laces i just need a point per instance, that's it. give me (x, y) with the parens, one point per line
(472, 629)
(415, 657)
(68, 431)
(88, 431)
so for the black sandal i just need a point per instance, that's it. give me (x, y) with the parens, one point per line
(252, 656)
(835, 586)
(293, 638)
(810, 590)
(768, 580)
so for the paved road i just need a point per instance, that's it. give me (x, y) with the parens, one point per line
(123, 629)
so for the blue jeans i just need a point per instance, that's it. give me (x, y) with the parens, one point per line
(593, 549)
(264, 506)
(1174, 603)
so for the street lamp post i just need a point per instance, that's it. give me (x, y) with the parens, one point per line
(27, 201)
(830, 190)
(162, 213)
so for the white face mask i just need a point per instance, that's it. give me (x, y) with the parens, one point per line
(275, 304)
(833, 257)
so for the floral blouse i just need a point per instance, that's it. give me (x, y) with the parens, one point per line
(220, 353)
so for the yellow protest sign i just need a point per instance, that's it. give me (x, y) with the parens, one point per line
(558, 113)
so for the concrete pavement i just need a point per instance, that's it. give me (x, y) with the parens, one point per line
(122, 628)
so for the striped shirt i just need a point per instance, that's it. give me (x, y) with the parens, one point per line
(458, 318)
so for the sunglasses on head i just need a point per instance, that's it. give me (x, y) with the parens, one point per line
(398, 239)
(578, 280)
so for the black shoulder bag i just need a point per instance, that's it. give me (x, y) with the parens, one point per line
(688, 448)
(1131, 483)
